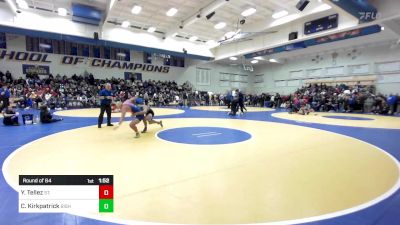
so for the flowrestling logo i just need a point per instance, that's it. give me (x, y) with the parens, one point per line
(370, 15)
(77, 60)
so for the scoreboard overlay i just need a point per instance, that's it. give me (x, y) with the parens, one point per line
(66, 193)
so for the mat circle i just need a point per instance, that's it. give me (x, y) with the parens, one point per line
(204, 135)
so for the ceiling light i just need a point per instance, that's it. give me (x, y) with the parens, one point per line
(62, 11)
(273, 60)
(125, 24)
(172, 12)
(382, 28)
(111, 4)
(136, 9)
(121, 54)
(285, 19)
(280, 14)
(230, 34)
(254, 61)
(22, 4)
(151, 29)
(233, 58)
(193, 38)
(211, 42)
(321, 8)
(249, 12)
(220, 25)
(258, 58)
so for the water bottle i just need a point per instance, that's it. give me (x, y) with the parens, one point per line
(36, 120)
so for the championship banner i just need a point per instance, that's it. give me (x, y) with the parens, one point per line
(40, 70)
(36, 57)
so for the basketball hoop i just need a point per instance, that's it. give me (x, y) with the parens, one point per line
(248, 68)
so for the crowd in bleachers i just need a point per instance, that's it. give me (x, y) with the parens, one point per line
(339, 98)
(78, 91)
(59, 92)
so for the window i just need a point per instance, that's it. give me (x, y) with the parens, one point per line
(84, 50)
(203, 76)
(58, 47)
(106, 53)
(167, 61)
(120, 54)
(127, 53)
(96, 52)
(45, 45)
(71, 48)
(3, 41)
(181, 62)
(32, 44)
(174, 61)
(147, 57)
(35, 44)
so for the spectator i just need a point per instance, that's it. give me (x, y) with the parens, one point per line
(146, 98)
(322, 97)
(60, 91)
(4, 97)
(185, 99)
(392, 103)
(9, 78)
(1, 77)
(46, 117)
(398, 103)
(10, 116)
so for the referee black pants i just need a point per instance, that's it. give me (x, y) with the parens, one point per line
(107, 109)
(241, 105)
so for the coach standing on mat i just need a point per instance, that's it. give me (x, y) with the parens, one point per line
(105, 96)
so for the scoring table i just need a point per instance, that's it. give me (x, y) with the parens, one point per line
(66, 193)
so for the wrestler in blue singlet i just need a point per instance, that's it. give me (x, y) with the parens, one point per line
(136, 108)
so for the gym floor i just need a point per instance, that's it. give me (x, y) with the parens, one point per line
(205, 167)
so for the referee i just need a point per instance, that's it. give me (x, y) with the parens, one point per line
(105, 96)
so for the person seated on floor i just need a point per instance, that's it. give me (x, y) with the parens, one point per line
(305, 109)
(10, 116)
(46, 117)
(294, 106)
